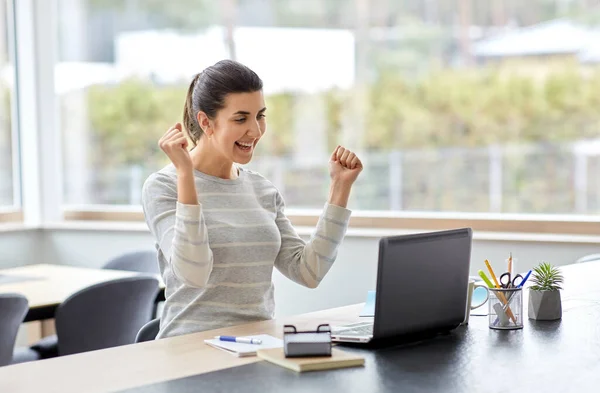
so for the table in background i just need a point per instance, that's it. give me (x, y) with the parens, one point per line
(46, 286)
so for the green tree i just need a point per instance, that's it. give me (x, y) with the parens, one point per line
(129, 118)
(280, 121)
(466, 108)
(478, 107)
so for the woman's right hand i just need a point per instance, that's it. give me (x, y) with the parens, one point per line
(174, 143)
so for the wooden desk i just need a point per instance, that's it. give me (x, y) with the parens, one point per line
(134, 365)
(52, 284)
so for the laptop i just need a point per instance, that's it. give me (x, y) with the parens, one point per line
(422, 283)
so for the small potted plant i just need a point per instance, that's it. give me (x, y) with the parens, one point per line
(544, 294)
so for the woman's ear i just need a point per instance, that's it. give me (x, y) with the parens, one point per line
(205, 123)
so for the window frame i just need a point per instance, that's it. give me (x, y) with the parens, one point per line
(13, 212)
(390, 220)
(39, 134)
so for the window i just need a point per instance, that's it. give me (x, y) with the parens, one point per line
(456, 106)
(8, 177)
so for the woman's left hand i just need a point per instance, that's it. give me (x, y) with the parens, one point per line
(344, 166)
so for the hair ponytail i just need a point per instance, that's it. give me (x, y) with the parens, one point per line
(190, 120)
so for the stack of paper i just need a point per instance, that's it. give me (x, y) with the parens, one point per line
(242, 350)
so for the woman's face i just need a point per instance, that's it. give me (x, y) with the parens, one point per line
(238, 127)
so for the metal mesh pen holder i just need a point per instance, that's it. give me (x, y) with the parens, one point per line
(506, 308)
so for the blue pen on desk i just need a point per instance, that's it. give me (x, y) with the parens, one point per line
(241, 340)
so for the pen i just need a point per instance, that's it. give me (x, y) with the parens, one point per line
(485, 279)
(524, 279)
(241, 340)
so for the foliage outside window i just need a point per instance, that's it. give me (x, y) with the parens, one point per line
(441, 125)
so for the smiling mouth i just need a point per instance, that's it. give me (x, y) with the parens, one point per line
(245, 147)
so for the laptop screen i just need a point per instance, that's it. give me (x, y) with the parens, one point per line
(422, 282)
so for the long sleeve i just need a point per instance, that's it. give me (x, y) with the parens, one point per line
(179, 230)
(307, 262)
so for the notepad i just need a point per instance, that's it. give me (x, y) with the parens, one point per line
(338, 359)
(243, 350)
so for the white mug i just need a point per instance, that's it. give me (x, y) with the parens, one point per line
(470, 306)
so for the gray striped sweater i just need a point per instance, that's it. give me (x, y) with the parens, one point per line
(217, 258)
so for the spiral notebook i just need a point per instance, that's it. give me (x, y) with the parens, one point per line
(243, 350)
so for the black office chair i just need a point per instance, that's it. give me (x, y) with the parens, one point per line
(137, 261)
(13, 308)
(589, 258)
(144, 261)
(149, 331)
(104, 315)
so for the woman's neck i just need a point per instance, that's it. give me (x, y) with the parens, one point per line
(207, 160)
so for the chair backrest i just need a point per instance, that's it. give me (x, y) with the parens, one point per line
(145, 261)
(149, 331)
(13, 308)
(589, 258)
(105, 315)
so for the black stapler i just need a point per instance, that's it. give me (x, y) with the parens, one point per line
(307, 343)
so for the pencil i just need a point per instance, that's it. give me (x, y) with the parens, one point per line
(500, 294)
(487, 263)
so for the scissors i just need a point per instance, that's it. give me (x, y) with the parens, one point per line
(507, 281)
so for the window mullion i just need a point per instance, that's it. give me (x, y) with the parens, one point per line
(39, 134)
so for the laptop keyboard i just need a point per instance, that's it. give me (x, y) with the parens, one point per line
(357, 329)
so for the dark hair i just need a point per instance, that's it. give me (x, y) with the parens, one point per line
(209, 88)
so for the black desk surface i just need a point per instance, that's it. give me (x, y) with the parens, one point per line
(561, 356)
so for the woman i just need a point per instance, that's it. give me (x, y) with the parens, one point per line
(219, 228)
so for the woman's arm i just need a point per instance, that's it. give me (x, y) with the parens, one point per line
(186, 188)
(307, 262)
(179, 229)
(339, 193)
(174, 215)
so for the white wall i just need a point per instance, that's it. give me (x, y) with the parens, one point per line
(21, 247)
(351, 276)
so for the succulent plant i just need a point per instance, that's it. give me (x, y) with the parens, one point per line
(546, 277)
